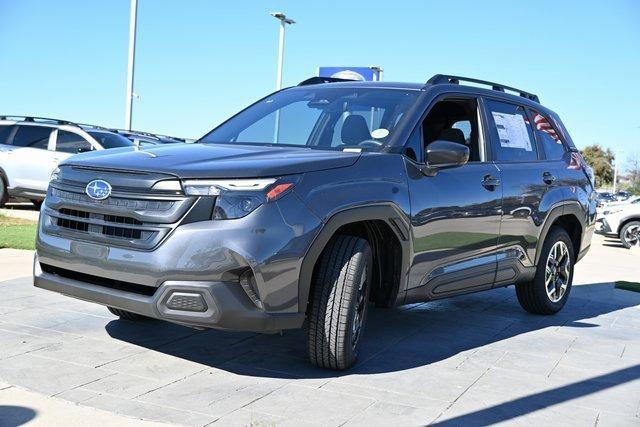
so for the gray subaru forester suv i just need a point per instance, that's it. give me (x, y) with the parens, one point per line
(323, 199)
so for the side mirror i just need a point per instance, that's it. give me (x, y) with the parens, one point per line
(84, 149)
(443, 154)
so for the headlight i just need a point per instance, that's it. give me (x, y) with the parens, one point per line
(237, 198)
(211, 187)
(54, 175)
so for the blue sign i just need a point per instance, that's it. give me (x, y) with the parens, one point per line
(98, 189)
(369, 74)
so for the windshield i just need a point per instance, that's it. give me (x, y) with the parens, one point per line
(111, 140)
(325, 118)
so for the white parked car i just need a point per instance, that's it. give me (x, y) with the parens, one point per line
(32, 147)
(622, 220)
(612, 205)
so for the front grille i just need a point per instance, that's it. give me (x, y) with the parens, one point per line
(112, 226)
(122, 232)
(73, 224)
(130, 220)
(125, 203)
(99, 281)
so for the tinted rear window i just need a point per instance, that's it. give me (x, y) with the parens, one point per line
(111, 140)
(5, 132)
(32, 137)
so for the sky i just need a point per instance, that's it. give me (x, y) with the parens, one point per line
(199, 61)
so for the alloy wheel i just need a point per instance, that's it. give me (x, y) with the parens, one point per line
(632, 235)
(557, 271)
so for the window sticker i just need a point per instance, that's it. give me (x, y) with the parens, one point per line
(512, 131)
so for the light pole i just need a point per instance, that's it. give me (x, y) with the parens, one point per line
(283, 22)
(133, 18)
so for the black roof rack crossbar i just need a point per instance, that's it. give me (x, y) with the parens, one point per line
(446, 79)
(320, 80)
(35, 118)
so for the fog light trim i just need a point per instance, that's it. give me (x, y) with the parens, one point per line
(186, 301)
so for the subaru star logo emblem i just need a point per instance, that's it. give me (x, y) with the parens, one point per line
(98, 189)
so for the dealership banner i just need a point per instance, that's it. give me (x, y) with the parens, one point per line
(369, 74)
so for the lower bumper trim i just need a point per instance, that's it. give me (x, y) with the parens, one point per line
(227, 305)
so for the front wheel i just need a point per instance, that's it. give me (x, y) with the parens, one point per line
(547, 293)
(630, 234)
(339, 302)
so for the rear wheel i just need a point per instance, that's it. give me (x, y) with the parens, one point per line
(547, 293)
(126, 315)
(339, 302)
(630, 234)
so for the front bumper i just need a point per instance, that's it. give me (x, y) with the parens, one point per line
(225, 306)
(202, 260)
(603, 226)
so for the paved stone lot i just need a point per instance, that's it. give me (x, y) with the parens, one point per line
(472, 360)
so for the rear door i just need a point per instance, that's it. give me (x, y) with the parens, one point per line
(29, 160)
(528, 187)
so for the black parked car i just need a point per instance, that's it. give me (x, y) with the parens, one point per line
(320, 199)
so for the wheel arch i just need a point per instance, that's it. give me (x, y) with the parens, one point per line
(569, 216)
(627, 221)
(374, 223)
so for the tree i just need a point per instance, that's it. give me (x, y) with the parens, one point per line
(634, 175)
(601, 160)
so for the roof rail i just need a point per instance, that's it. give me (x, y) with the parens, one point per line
(320, 80)
(36, 119)
(446, 79)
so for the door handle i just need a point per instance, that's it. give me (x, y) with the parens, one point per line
(490, 183)
(548, 178)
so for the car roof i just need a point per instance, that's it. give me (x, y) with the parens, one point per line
(439, 87)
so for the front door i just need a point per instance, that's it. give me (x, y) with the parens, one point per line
(456, 213)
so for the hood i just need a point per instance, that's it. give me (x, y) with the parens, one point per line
(215, 160)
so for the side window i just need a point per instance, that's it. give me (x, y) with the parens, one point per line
(547, 137)
(5, 133)
(32, 137)
(511, 134)
(454, 120)
(69, 142)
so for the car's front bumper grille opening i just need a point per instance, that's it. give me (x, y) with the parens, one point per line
(72, 224)
(122, 232)
(99, 281)
(117, 226)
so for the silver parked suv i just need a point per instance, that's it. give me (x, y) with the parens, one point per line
(32, 147)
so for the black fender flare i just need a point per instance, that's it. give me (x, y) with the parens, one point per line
(565, 208)
(389, 213)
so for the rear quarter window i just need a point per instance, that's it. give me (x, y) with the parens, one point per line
(548, 136)
(5, 133)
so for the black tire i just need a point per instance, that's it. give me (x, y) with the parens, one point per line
(532, 295)
(4, 194)
(37, 203)
(628, 229)
(126, 315)
(342, 282)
